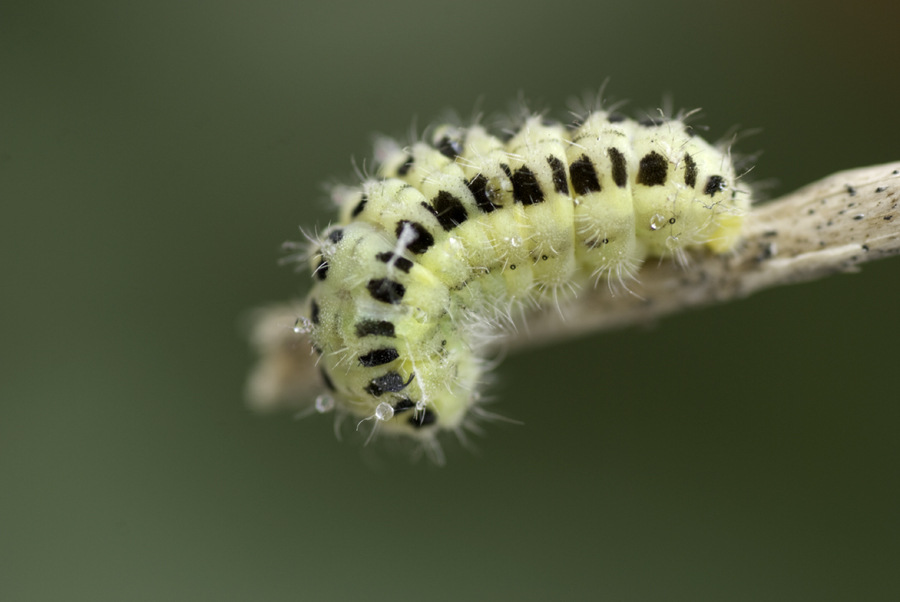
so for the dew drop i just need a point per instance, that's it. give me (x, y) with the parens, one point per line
(384, 411)
(324, 403)
(302, 326)
(672, 243)
(657, 222)
(515, 241)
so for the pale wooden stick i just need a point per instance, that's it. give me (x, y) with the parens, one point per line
(824, 228)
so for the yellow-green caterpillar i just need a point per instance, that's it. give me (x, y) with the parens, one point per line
(455, 235)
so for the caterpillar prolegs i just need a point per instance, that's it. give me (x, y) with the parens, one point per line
(461, 231)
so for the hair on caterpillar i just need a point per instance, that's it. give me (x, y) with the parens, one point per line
(459, 233)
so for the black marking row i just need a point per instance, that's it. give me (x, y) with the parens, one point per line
(390, 382)
(450, 211)
(653, 171)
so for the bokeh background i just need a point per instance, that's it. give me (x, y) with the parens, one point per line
(154, 155)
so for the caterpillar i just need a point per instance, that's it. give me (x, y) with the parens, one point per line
(460, 232)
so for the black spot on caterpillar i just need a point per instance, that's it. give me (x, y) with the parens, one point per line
(402, 263)
(653, 170)
(584, 176)
(386, 291)
(378, 357)
(380, 328)
(391, 382)
(422, 239)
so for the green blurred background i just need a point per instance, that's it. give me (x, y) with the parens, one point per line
(154, 155)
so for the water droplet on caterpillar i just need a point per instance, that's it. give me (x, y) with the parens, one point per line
(384, 411)
(324, 404)
(302, 326)
(657, 222)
